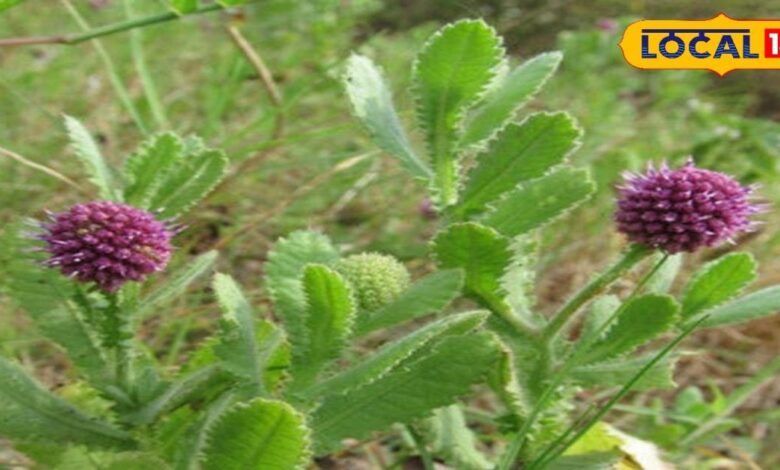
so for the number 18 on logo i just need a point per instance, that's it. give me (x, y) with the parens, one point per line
(772, 43)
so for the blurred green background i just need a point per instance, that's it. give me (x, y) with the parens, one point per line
(316, 169)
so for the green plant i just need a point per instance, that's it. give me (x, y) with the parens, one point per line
(271, 391)
(517, 182)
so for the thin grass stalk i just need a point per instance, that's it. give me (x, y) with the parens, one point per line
(560, 445)
(43, 169)
(147, 82)
(114, 28)
(113, 74)
(516, 445)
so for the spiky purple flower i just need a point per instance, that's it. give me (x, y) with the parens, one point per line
(683, 209)
(107, 243)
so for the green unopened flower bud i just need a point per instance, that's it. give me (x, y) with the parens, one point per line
(376, 279)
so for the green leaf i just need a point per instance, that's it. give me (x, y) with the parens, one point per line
(599, 438)
(394, 352)
(183, 7)
(519, 280)
(718, 281)
(451, 73)
(540, 201)
(192, 386)
(171, 174)
(47, 297)
(429, 379)
(450, 437)
(195, 176)
(641, 320)
(587, 422)
(31, 412)
(330, 311)
(260, 434)
(750, 307)
(503, 379)
(521, 152)
(274, 353)
(482, 253)
(6, 4)
(428, 295)
(183, 435)
(237, 347)
(150, 167)
(616, 372)
(662, 280)
(502, 102)
(88, 153)
(372, 105)
(284, 273)
(601, 311)
(176, 284)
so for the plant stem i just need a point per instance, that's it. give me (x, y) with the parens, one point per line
(191, 387)
(116, 332)
(71, 39)
(511, 454)
(551, 454)
(631, 256)
(506, 314)
(113, 74)
(419, 443)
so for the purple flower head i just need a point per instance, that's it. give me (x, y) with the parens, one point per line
(107, 243)
(683, 209)
(607, 24)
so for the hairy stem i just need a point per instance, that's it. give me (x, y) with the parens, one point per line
(512, 453)
(117, 334)
(633, 255)
(508, 316)
(554, 451)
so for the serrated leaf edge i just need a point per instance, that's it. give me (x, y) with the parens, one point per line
(428, 413)
(483, 144)
(575, 145)
(590, 185)
(704, 270)
(500, 51)
(380, 71)
(424, 342)
(501, 292)
(241, 406)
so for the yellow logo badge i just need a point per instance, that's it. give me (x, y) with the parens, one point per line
(720, 44)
